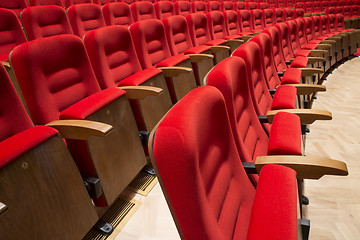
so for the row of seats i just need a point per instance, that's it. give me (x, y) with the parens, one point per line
(77, 82)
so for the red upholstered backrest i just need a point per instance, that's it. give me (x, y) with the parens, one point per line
(340, 22)
(332, 23)
(272, 3)
(239, 5)
(69, 3)
(198, 28)
(53, 82)
(142, 10)
(330, 10)
(251, 5)
(231, 22)
(46, 2)
(261, 97)
(200, 169)
(182, 8)
(177, 34)
(299, 13)
(281, 4)
(356, 10)
(164, 9)
(213, 6)
(263, 5)
(309, 28)
(350, 2)
(13, 117)
(269, 17)
(334, 3)
(317, 7)
(279, 15)
(289, 14)
(14, 5)
(11, 33)
(258, 19)
(265, 44)
(199, 6)
(347, 11)
(117, 13)
(340, 10)
(151, 44)
(216, 23)
(45, 21)
(317, 26)
(290, 3)
(85, 17)
(280, 44)
(112, 54)
(294, 35)
(246, 22)
(324, 5)
(227, 5)
(324, 24)
(309, 7)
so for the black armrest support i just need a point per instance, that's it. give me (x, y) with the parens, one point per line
(263, 119)
(249, 167)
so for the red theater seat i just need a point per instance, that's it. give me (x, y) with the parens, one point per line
(46, 2)
(62, 85)
(199, 6)
(14, 5)
(227, 5)
(269, 17)
(213, 6)
(69, 3)
(164, 9)
(182, 8)
(142, 10)
(279, 15)
(45, 21)
(117, 14)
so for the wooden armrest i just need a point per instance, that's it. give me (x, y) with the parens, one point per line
(200, 57)
(305, 167)
(80, 129)
(175, 71)
(246, 37)
(307, 89)
(312, 60)
(306, 72)
(6, 64)
(334, 38)
(235, 40)
(328, 41)
(3, 208)
(307, 116)
(317, 52)
(323, 46)
(139, 92)
(219, 48)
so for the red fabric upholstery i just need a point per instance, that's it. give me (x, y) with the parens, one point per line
(227, 5)
(294, 35)
(246, 22)
(182, 8)
(11, 33)
(285, 135)
(251, 5)
(309, 7)
(299, 13)
(85, 17)
(139, 78)
(103, 2)
(69, 3)
(213, 6)
(46, 2)
(239, 6)
(299, 62)
(279, 15)
(199, 6)
(284, 98)
(45, 21)
(17, 145)
(232, 23)
(263, 5)
(272, 3)
(258, 19)
(269, 212)
(217, 28)
(173, 60)
(142, 10)
(15, 5)
(291, 76)
(164, 9)
(117, 14)
(51, 84)
(213, 198)
(269, 18)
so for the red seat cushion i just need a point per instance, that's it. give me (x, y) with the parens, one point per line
(173, 61)
(284, 98)
(285, 135)
(302, 52)
(139, 78)
(299, 62)
(275, 205)
(291, 76)
(23, 142)
(310, 46)
(92, 104)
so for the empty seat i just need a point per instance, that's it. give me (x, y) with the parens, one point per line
(263, 5)
(246, 22)
(204, 198)
(269, 17)
(233, 27)
(164, 9)
(11, 33)
(182, 8)
(317, 8)
(14, 5)
(117, 14)
(85, 17)
(258, 18)
(272, 3)
(178, 36)
(200, 35)
(227, 5)
(309, 8)
(289, 14)
(45, 21)
(39, 180)
(239, 6)
(251, 5)
(142, 10)
(153, 51)
(324, 5)
(199, 6)
(115, 63)
(281, 4)
(279, 15)
(69, 3)
(299, 13)
(62, 85)
(46, 2)
(213, 6)
(290, 3)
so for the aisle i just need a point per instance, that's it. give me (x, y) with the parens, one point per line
(334, 208)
